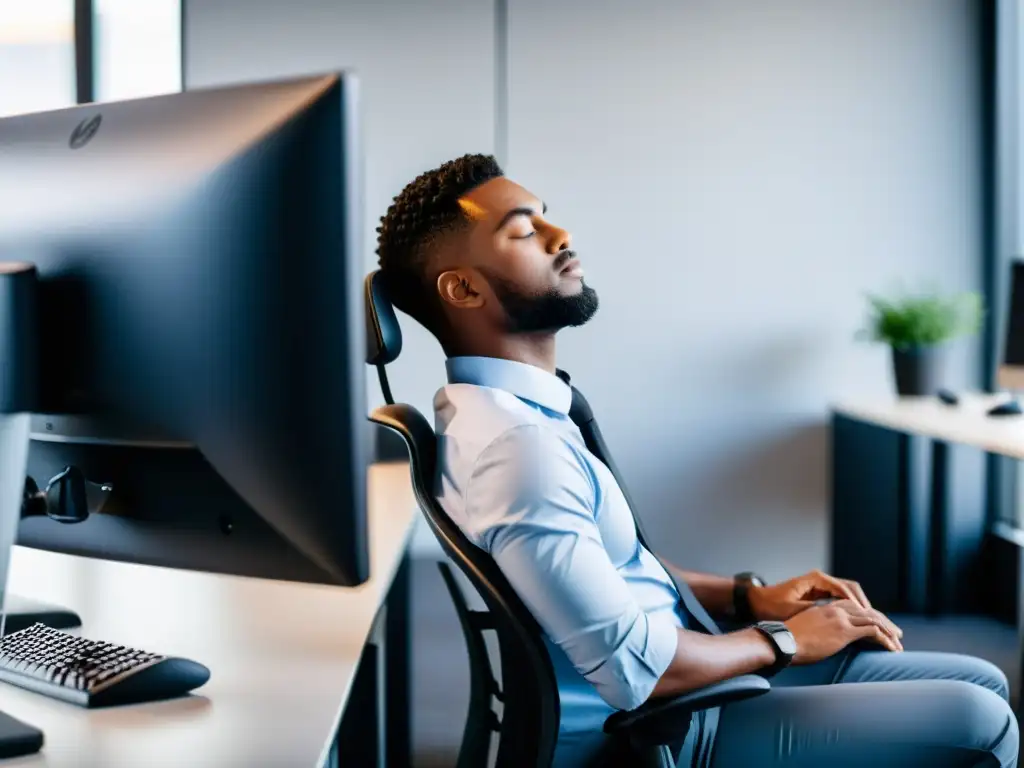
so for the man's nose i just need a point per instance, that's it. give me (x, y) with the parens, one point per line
(559, 240)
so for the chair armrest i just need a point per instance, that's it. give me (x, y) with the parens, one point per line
(667, 720)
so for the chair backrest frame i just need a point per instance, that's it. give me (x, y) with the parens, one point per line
(529, 689)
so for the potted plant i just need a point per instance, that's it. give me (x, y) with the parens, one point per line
(918, 329)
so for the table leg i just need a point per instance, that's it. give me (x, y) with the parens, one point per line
(1020, 633)
(357, 744)
(375, 727)
(938, 529)
(398, 670)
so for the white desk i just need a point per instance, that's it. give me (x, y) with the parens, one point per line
(965, 423)
(954, 535)
(282, 655)
(919, 505)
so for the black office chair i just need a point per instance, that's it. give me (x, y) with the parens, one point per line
(528, 692)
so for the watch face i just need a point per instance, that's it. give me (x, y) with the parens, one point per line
(781, 636)
(786, 641)
(752, 578)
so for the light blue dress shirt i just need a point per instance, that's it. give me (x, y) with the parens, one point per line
(518, 480)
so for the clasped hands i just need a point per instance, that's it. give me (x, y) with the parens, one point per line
(822, 630)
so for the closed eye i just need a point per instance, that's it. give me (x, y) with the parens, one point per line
(522, 211)
(522, 237)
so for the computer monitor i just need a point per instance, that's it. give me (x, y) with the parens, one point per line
(199, 329)
(1011, 370)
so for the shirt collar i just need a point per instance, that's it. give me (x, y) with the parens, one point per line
(527, 382)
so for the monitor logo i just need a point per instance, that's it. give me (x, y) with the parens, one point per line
(84, 132)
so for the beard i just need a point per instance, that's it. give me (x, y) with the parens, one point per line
(543, 313)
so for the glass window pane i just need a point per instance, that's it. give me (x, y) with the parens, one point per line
(137, 48)
(37, 55)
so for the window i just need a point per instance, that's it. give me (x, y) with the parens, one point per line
(137, 48)
(37, 55)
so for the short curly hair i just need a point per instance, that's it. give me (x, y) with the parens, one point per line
(427, 207)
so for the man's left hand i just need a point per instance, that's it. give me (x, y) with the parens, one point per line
(778, 602)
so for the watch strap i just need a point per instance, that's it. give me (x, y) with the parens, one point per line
(742, 582)
(771, 630)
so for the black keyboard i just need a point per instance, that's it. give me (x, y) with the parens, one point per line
(91, 673)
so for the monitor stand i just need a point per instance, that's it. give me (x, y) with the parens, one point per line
(16, 738)
(21, 612)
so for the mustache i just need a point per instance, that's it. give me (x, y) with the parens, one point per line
(562, 259)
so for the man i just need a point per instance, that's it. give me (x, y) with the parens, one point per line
(474, 258)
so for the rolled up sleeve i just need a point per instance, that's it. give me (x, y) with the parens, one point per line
(531, 503)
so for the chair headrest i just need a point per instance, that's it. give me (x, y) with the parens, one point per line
(383, 334)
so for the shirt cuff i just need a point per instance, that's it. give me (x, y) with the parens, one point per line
(626, 680)
(662, 641)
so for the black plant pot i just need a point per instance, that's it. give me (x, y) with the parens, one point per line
(919, 370)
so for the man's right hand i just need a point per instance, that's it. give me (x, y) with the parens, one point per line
(824, 630)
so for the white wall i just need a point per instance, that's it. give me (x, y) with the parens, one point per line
(426, 75)
(736, 175)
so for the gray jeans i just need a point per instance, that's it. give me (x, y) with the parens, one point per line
(874, 709)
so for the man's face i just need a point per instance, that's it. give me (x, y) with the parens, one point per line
(519, 266)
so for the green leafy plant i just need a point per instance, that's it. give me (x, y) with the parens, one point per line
(909, 322)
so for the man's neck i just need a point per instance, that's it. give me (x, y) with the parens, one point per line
(537, 350)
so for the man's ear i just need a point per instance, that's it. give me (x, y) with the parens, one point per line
(456, 287)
